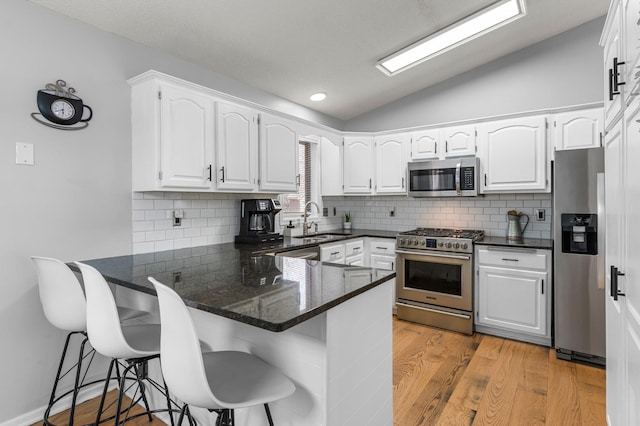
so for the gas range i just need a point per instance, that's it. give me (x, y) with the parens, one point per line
(451, 240)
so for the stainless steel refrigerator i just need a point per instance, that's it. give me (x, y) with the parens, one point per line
(578, 261)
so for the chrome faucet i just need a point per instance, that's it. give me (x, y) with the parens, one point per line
(305, 227)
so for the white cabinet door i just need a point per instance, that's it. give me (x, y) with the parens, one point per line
(358, 165)
(613, 99)
(578, 129)
(513, 299)
(331, 165)
(424, 144)
(278, 155)
(380, 261)
(237, 143)
(186, 138)
(513, 155)
(459, 141)
(615, 242)
(392, 155)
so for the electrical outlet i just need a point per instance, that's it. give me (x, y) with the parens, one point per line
(325, 211)
(540, 215)
(177, 217)
(392, 212)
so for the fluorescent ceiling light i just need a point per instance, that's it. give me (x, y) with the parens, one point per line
(317, 97)
(481, 22)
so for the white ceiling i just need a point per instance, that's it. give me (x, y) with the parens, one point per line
(294, 48)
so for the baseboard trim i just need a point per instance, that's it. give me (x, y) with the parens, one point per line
(36, 416)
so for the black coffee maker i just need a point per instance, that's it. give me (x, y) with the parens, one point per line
(257, 221)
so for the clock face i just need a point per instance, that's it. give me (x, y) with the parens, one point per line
(63, 109)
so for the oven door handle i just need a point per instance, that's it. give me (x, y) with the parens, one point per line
(423, 253)
(406, 305)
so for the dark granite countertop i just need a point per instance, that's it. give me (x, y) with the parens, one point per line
(534, 243)
(234, 281)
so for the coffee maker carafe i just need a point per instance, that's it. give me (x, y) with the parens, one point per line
(257, 221)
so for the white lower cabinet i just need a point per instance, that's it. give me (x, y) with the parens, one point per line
(354, 253)
(382, 255)
(513, 293)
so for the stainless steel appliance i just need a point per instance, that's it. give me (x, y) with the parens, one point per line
(578, 214)
(443, 178)
(434, 277)
(257, 221)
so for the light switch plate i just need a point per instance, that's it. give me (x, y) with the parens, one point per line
(24, 154)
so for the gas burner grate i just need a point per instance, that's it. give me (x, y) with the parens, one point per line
(472, 234)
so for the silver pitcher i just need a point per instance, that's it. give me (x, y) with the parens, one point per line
(514, 229)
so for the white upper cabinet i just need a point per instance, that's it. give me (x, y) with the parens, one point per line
(173, 136)
(513, 155)
(614, 73)
(578, 129)
(392, 155)
(331, 166)
(424, 144)
(433, 144)
(278, 155)
(632, 49)
(237, 148)
(359, 159)
(459, 141)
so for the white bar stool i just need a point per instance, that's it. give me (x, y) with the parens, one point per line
(65, 307)
(218, 381)
(136, 344)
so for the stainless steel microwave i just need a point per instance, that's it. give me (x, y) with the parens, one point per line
(456, 177)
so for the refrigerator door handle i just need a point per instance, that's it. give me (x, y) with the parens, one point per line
(600, 262)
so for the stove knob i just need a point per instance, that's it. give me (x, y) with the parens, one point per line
(423, 242)
(402, 241)
(448, 245)
(440, 244)
(415, 242)
(456, 245)
(464, 246)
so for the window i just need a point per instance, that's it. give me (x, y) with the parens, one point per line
(293, 204)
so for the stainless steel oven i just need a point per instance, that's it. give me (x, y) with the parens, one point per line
(434, 277)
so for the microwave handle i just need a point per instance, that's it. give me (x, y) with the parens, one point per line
(458, 179)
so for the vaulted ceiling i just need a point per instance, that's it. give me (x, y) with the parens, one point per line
(294, 48)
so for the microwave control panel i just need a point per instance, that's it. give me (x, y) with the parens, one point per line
(467, 178)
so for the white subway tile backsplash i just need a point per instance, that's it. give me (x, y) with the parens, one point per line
(212, 218)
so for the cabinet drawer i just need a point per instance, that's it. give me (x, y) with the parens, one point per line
(387, 247)
(355, 260)
(354, 248)
(519, 259)
(332, 253)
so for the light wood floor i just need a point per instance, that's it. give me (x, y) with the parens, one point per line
(446, 378)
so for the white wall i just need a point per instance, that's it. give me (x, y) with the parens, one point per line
(561, 71)
(76, 202)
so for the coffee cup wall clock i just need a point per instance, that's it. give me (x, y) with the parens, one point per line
(61, 107)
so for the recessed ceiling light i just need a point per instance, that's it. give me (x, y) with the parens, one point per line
(317, 97)
(471, 27)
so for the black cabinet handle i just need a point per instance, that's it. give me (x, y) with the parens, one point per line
(542, 287)
(209, 168)
(615, 273)
(506, 259)
(610, 84)
(485, 179)
(222, 170)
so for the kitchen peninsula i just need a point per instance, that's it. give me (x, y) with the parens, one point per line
(326, 326)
